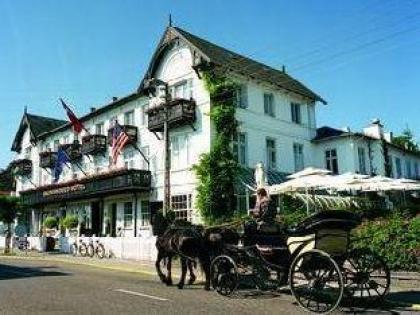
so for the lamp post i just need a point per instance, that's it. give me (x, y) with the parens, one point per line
(152, 86)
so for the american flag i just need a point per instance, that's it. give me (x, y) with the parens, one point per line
(119, 140)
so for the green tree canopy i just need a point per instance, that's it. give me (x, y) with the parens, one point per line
(406, 140)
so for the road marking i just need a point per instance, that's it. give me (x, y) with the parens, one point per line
(142, 294)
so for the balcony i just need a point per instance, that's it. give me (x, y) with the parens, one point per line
(180, 112)
(22, 167)
(93, 144)
(131, 131)
(115, 182)
(73, 150)
(47, 159)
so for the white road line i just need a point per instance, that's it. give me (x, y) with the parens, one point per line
(141, 294)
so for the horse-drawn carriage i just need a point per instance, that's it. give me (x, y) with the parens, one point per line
(313, 258)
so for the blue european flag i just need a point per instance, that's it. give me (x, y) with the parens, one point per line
(62, 159)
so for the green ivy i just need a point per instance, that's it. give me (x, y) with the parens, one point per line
(217, 170)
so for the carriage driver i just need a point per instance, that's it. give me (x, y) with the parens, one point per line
(264, 211)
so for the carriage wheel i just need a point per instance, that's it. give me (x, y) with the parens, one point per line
(316, 281)
(224, 275)
(366, 274)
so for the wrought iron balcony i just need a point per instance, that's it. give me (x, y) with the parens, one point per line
(115, 182)
(130, 130)
(47, 159)
(180, 112)
(74, 150)
(22, 167)
(93, 144)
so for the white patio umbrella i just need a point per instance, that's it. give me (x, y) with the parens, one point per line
(310, 171)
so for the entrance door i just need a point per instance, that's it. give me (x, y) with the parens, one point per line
(96, 218)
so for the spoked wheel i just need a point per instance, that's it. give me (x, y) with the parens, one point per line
(100, 251)
(366, 275)
(73, 249)
(90, 250)
(224, 275)
(83, 250)
(316, 281)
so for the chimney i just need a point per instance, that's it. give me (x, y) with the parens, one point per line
(283, 68)
(388, 136)
(92, 109)
(114, 98)
(375, 129)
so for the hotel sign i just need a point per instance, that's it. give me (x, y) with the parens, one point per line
(64, 190)
(97, 186)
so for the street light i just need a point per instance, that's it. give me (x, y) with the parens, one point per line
(158, 88)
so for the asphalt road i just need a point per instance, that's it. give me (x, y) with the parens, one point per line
(35, 287)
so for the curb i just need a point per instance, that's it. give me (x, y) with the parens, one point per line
(102, 266)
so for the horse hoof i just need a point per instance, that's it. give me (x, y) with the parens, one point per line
(168, 283)
(191, 281)
(207, 288)
(180, 286)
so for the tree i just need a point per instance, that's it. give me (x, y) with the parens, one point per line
(9, 207)
(6, 179)
(406, 140)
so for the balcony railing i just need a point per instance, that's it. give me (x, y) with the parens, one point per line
(22, 167)
(73, 150)
(93, 144)
(180, 112)
(115, 182)
(130, 130)
(47, 159)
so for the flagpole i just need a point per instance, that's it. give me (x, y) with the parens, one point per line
(142, 154)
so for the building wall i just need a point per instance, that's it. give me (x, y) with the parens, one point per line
(259, 126)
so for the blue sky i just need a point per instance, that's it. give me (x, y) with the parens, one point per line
(363, 57)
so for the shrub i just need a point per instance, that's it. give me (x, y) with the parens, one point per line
(50, 222)
(70, 221)
(395, 239)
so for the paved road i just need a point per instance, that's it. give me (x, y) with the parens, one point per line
(37, 287)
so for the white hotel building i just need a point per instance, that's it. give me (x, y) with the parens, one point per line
(277, 125)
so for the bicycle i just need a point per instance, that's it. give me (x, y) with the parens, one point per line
(96, 247)
(79, 247)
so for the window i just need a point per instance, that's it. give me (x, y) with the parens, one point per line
(416, 170)
(145, 213)
(398, 168)
(182, 89)
(271, 153)
(99, 129)
(296, 113)
(361, 153)
(129, 118)
(241, 95)
(331, 161)
(298, 156)
(181, 205)
(129, 159)
(179, 152)
(240, 148)
(269, 104)
(66, 140)
(128, 214)
(408, 168)
(56, 145)
(144, 116)
(28, 151)
(112, 121)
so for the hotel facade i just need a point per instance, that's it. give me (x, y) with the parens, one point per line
(277, 126)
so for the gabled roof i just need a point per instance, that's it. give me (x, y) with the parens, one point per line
(37, 125)
(328, 132)
(230, 61)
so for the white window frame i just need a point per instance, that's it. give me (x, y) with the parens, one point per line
(128, 215)
(271, 153)
(330, 159)
(298, 156)
(240, 148)
(145, 213)
(241, 96)
(181, 204)
(269, 108)
(361, 157)
(129, 118)
(296, 112)
(99, 128)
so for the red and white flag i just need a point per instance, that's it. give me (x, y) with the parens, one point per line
(119, 140)
(75, 122)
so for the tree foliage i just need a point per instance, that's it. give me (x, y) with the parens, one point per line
(217, 170)
(406, 140)
(9, 207)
